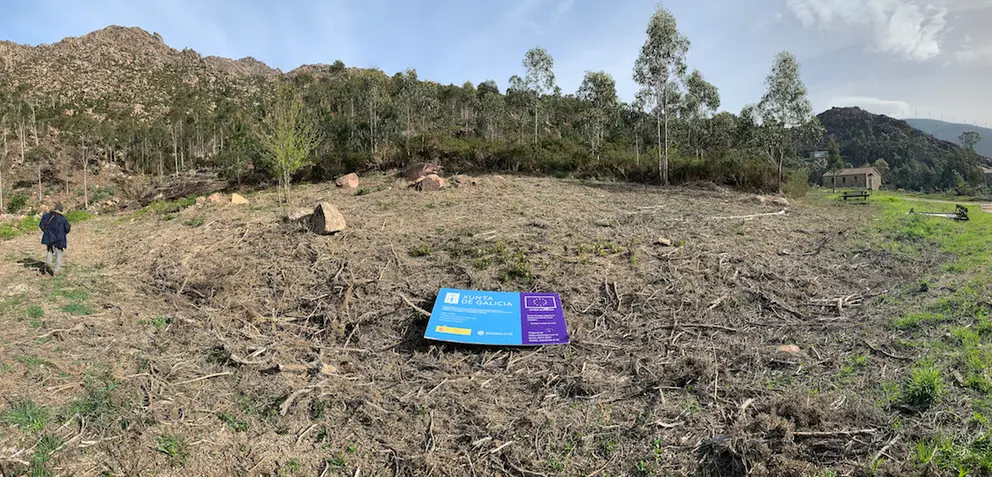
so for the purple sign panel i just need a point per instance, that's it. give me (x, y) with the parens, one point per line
(542, 319)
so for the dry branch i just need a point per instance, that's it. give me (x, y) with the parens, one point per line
(834, 433)
(415, 307)
(201, 378)
(747, 217)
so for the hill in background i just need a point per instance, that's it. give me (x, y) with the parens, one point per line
(916, 160)
(952, 131)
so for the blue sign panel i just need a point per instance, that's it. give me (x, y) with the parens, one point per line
(497, 318)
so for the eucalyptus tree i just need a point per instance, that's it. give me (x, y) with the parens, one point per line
(658, 68)
(539, 79)
(599, 91)
(786, 113)
(700, 100)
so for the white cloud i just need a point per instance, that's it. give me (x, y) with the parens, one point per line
(892, 108)
(909, 28)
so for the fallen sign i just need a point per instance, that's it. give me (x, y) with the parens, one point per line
(960, 213)
(497, 318)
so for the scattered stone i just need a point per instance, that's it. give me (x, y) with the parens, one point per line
(298, 215)
(201, 200)
(327, 219)
(328, 369)
(293, 368)
(781, 201)
(215, 198)
(416, 171)
(432, 182)
(791, 349)
(348, 181)
(238, 199)
(464, 180)
(664, 242)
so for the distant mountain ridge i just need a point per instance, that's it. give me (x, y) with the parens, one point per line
(952, 131)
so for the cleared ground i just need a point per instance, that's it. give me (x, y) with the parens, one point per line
(222, 340)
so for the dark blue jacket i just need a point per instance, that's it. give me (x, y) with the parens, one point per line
(54, 228)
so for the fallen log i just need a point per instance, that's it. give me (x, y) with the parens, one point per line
(182, 189)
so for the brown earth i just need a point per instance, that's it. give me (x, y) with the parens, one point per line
(228, 341)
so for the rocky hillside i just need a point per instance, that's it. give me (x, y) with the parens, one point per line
(119, 65)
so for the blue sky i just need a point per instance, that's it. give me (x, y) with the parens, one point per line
(897, 57)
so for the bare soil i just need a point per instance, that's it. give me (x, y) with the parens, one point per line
(232, 342)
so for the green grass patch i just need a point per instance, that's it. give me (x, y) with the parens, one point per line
(35, 312)
(970, 242)
(234, 424)
(27, 415)
(194, 222)
(96, 405)
(962, 457)
(11, 303)
(422, 250)
(78, 216)
(77, 309)
(32, 362)
(163, 207)
(174, 447)
(43, 452)
(917, 320)
(11, 229)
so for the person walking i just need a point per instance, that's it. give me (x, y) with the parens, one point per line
(54, 228)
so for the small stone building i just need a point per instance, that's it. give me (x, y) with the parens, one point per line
(855, 178)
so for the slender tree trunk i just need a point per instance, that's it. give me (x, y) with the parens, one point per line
(86, 189)
(34, 123)
(65, 167)
(41, 193)
(175, 150)
(23, 140)
(535, 124)
(665, 102)
(661, 165)
(781, 163)
(2, 208)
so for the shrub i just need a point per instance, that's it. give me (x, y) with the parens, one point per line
(17, 203)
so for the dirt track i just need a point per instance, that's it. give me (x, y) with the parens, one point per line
(673, 366)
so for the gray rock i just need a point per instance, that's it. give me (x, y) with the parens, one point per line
(327, 219)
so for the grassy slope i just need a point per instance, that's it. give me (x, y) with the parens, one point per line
(945, 319)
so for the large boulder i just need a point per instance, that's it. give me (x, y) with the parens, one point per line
(349, 181)
(327, 219)
(431, 182)
(238, 199)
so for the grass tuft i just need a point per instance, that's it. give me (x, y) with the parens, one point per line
(925, 386)
(27, 415)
